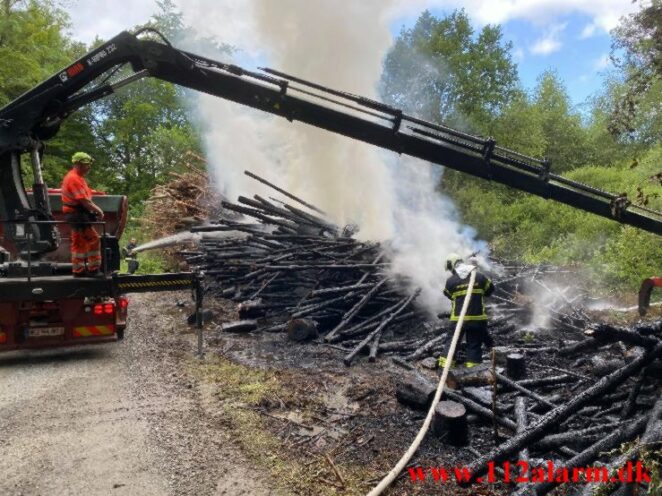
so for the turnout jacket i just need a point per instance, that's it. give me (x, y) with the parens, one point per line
(456, 291)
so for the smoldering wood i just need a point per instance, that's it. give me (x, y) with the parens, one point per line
(351, 313)
(239, 326)
(427, 347)
(522, 423)
(485, 399)
(283, 192)
(578, 347)
(518, 387)
(606, 332)
(369, 326)
(374, 346)
(630, 405)
(582, 435)
(414, 391)
(588, 456)
(399, 308)
(650, 439)
(547, 421)
(252, 309)
(343, 289)
(515, 366)
(547, 381)
(478, 409)
(246, 268)
(450, 423)
(302, 330)
(479, 375)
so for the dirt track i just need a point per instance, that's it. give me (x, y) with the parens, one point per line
(118, 419)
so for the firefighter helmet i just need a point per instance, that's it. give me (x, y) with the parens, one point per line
(452, 260)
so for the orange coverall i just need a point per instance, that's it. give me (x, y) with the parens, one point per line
(85, 245)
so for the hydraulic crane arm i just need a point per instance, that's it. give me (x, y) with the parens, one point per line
(36, 116)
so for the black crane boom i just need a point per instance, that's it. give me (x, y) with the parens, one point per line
(35, 116)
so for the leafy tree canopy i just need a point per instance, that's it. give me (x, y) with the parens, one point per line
(443, 71)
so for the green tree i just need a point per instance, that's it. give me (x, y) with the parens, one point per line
(33, 47)
(565, 137)
(637, 51)
(520, 126)
(442, 71)
(142, 132)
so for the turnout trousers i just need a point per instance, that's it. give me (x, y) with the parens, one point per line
(476, 334)
(85, 246)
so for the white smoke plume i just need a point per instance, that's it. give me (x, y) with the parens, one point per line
(340, 45)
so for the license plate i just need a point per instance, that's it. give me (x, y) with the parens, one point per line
(38, 332)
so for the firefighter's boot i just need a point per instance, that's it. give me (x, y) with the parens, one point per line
(442, 362)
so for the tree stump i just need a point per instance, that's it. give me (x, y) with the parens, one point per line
(450, 422)
(415, 392)
(516, 366)
(300, 330)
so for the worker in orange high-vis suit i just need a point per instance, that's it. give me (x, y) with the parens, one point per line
(79, 210)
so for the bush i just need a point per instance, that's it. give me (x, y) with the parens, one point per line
(536, 230)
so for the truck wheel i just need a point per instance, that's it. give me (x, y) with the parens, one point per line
(120, 334)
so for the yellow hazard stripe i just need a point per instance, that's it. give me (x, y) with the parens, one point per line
(151, 284)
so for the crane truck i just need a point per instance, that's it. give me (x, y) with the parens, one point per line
(41, 304)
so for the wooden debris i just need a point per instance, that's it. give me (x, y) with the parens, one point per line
(450, 423)
(516, 366)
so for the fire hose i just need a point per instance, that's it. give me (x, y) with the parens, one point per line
(395, 471)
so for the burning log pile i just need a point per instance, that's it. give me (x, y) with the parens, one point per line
(571, 406)
(570, 393)
(295, 272)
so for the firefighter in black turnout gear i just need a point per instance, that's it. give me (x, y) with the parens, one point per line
(475, 320)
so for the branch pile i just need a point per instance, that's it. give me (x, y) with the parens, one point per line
(187, 199)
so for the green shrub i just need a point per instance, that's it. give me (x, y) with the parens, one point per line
(536, 230)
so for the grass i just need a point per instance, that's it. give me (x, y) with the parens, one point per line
(149, 263)
(241, 391)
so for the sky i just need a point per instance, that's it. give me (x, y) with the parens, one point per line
(568, 36)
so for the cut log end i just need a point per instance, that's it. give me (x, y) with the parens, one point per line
(415, 392)
(450, 422)
(516, 366)
(300, 330)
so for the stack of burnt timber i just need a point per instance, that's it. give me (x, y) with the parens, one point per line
(291, 270)
(569, 408)
(569, 389)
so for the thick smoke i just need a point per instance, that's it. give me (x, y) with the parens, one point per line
(340, 45)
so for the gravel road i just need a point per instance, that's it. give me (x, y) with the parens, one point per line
(116, 419)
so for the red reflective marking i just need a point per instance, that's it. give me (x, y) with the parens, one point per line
(75, 69)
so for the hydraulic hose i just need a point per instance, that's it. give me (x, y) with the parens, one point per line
(395, 471)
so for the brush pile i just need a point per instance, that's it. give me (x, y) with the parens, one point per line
(187, 199)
